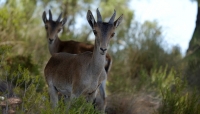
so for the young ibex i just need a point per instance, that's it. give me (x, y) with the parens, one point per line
(81, 74)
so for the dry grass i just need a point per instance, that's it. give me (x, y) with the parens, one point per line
(140, 103)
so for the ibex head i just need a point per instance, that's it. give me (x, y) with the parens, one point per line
(53, 27)
(103, 30)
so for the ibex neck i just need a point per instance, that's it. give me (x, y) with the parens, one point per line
(54, 46)
(98, 60)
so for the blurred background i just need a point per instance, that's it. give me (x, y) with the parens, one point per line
(155, 52)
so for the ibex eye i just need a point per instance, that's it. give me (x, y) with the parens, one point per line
(59, 30)
(112, 34)
(95, 32)
(46, 27)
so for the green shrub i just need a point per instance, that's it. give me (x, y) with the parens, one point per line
(179, 100)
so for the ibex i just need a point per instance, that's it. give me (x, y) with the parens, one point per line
(56, 45)
(81, 74)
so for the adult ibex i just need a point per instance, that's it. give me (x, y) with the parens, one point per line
(81, 74)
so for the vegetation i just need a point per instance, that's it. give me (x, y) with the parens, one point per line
(145, 77)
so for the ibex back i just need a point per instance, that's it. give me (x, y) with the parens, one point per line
(81, 74)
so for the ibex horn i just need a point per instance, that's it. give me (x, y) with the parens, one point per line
(112, 18)
(59, 17)
(50, 15)
(99, 19)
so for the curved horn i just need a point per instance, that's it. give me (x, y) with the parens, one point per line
(99, 19)
(59, 17)
(50, 15)
(112, 18)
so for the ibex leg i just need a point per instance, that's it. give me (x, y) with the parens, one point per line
(53, 95)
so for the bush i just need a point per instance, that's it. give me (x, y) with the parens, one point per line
(179, 100)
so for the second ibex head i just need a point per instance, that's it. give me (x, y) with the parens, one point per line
(53, 27)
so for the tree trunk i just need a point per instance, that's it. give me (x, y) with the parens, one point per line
(194, 44)
(192, 71)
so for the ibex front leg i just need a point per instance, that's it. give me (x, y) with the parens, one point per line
(53, 95)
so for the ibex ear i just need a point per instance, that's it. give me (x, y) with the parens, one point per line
(118, 21)
(64, 21)
(44, 18)
(91, 19)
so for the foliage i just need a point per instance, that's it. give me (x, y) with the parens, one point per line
(141, 63)
(162, 92)
(20, 71)
(143, 53)
(179, 101)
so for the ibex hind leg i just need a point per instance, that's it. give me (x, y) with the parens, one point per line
(53, 95)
